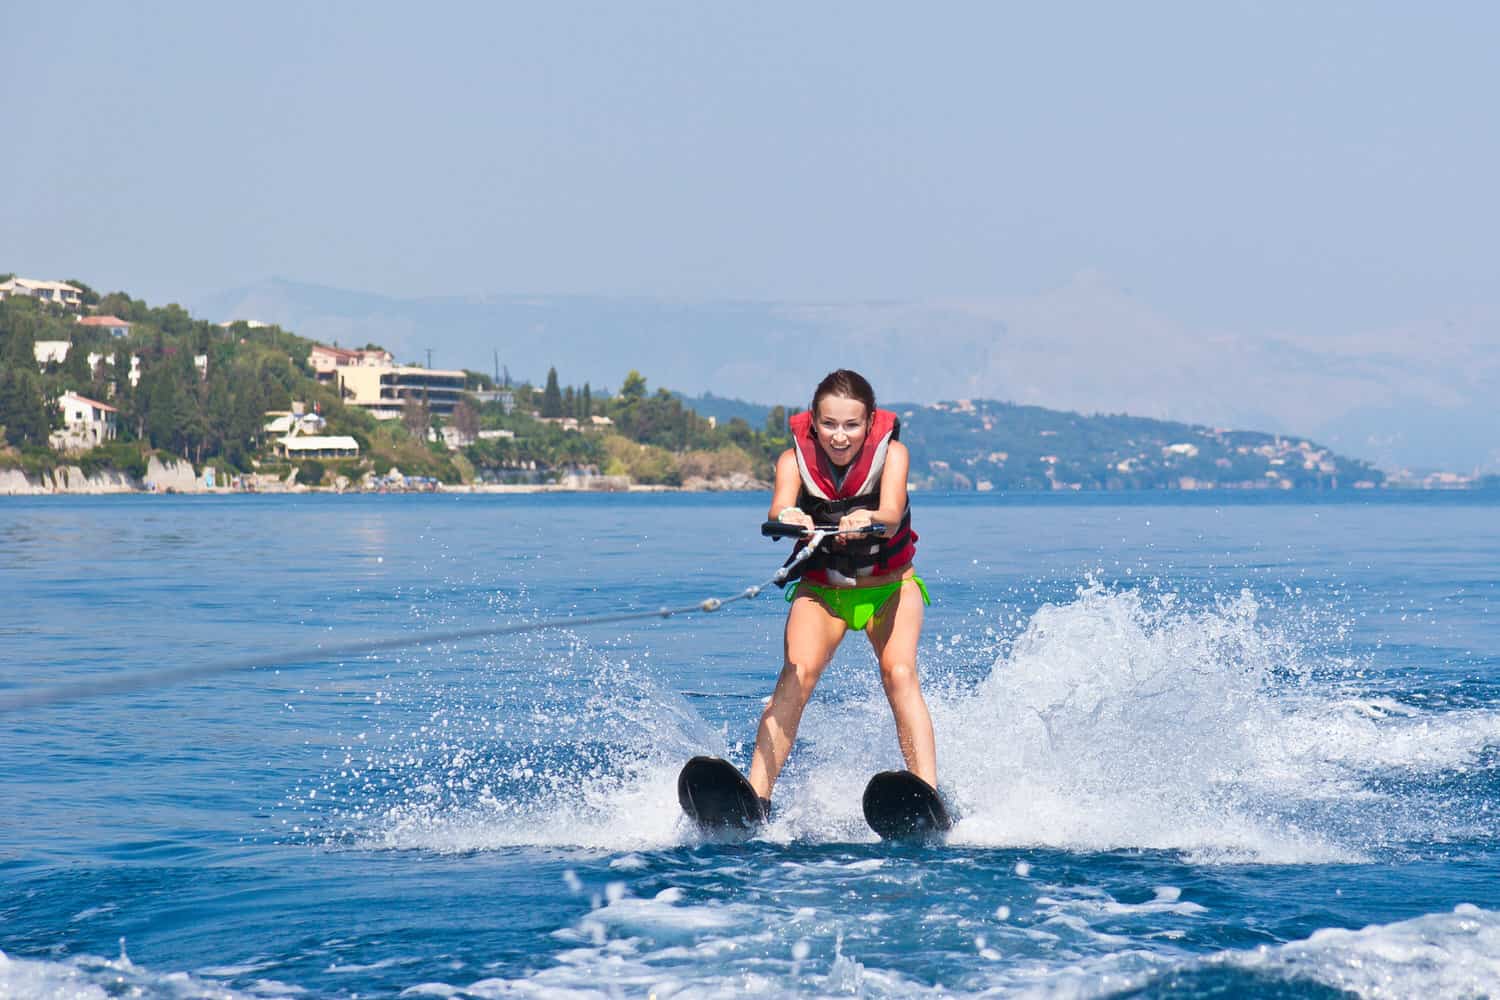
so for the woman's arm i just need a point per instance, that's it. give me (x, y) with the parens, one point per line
(892, 493)
(784, 494)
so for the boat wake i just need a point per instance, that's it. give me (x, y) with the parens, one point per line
(668, 946)
(1123, 719)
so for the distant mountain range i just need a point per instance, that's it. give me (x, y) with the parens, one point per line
(984, 444)
(1419, 395)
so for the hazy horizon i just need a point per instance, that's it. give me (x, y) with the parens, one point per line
(1041, 350)
(1275, 212)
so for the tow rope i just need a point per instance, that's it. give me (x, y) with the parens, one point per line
(59, 694)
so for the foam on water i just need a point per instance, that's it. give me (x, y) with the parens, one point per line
(577, 748)
(670, 946)
(1434, 956)
(1122, 719)
(1127, 720)
(88, 977)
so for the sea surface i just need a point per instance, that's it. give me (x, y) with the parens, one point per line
(1200, 745)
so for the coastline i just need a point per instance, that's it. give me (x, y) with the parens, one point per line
(179, 478)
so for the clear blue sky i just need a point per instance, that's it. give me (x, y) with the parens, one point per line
(1246, 165)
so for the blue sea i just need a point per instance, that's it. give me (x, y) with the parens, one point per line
(1200, 745)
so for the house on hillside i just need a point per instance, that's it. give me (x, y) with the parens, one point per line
(453, 438)
(317, 446)
(49, 351)
(505, 397)
(56, 292)
(283, 423)
(301, 435)
(86, 423)
(324, 360)
(300, 446)
(116, 326)
(382, 390)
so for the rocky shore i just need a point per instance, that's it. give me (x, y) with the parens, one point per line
(169, 477)
(174, 477)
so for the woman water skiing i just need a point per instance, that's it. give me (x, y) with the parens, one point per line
(846, 468)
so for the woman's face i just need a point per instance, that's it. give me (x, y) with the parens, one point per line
(841, 425)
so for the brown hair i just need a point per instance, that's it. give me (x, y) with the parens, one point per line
(846, 383)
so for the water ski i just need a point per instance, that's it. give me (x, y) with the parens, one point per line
(901, 806)
(716, 796)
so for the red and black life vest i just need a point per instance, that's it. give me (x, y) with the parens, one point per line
(826, 497)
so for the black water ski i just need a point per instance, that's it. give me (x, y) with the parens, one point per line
(716, 796)
(901, 806)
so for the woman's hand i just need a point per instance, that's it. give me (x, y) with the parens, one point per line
(797, 516)
(855, 520)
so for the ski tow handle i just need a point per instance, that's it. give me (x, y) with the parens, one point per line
(777, 529)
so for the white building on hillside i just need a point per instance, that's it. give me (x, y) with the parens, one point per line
(325, 359)
(48, 351)
(57, 292)
(369, 379)
(109, 359)
(504, 397)
(383, 391)
(86, 423)
(299, 434)
(318, 446)
(283, 422)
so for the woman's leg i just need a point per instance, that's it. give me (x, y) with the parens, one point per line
(812, 634)
(894, 633)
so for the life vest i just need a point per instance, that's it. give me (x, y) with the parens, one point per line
(826, 498)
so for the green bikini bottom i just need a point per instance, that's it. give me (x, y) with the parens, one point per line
(855, 605)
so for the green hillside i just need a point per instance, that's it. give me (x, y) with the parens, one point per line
(201, 392)
(984, 444)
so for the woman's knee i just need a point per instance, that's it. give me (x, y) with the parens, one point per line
(899, 678)
(799, 677)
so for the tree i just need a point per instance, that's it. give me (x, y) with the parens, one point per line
(416, 417)
(218, 413)
(278, 378)
(249, 419)
(552, 396)
(99, 378)
(120, 374)
(634, 388)
(87, 294)
(23, 410)
(116, 304)
(465, 420)
(585, 404)
(18, 320)
(173, 319)
(192, 424)
(162, 406)
(75, 369)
